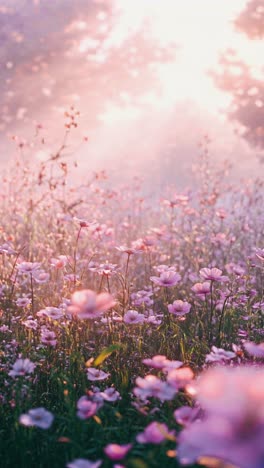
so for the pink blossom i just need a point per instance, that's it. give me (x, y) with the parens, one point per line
(48, 337)
(23, 301)
(86, 304)
(212, 274)
(94, 374)
(152, 386)
(38, 417)
(255, 350)
(117, 452)
(28, 268)
(161, 362)
(219, 355)
(185, 415)
(22, 367)
(155, 433)
(110, 394)
(202, 289)
(180, 378)
(179, 308)
(83, 463)
(167, 279)
(132, 317)
(86, 408)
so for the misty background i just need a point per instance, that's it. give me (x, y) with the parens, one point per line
(150, 79)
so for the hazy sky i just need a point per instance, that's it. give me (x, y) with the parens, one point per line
(140, 72)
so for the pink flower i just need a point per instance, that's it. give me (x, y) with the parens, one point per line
(110, 394)
(28, 268)
(86, 408)
(256, 350)
(40, 276)
(202, 289)
(212, 274)
(128, 250)
(82, 463)
(59, 262)
(232, 428)
(180, 378)
(48, 337)
(38, 417)
(152, 386)
(23, 302)
(260, 253)
(94, 374)
(186, 415)
(219, 355)
(161, 362)
(86, 304)
(132, 317)
(22, 367)
(54, 313)
(117, 452)
(155, 433)
(179, 308)
(167, 279)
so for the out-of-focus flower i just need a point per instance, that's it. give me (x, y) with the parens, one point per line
(38, 417)
(86, 407)
(179, 308)
(219, 355)
(94, 374)
(31, 323)
(28, 268)
(232, 428)
(83, 463)
(22, 367)
(253, 349)
(86, 304)
(155, 433)
(7, 249)
(186, 415)
(59, 262)
(167, 279)
(54, 313)
(260, 253)
(132, 317)
(128, 250)
(152, 386)
(180, 378)
(23, 302)
(161, 362)
(48, 337)
(202, 289)
(40, 276)
(110, 394)
(212, 274)
(117, 452)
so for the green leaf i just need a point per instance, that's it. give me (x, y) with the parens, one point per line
(106, 353)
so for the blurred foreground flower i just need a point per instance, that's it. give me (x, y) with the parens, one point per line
(232, 428)
(38, 417)
(86, 304)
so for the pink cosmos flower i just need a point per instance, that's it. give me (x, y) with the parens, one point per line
(180, 378)
(155, 433)
(219, 355)
(232, 428)
(28, 268)
(31, 323)
(179, 308)
(202, 289)
(185, 415)
(167, 279)
(128, 250)
(23, 302)
(117, 452)
(83, 463)
(94, 374)
(132, 317)
(59, 262)
(260, 254)
(7, 249)
(110, 394)
(152, 386)
(86, 304)
(22, 367)
(48, 337)
(38, 417)
(161, 362)
(212, 274)
(40, 276)
(54, 313)
(86, 408)
(255, 350)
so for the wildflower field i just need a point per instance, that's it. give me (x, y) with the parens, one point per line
(131, 328)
